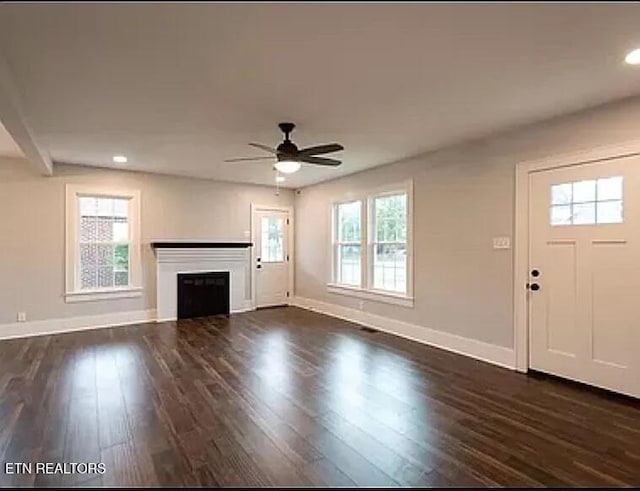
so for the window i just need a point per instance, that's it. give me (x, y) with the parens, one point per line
(371, 245)
(271, 243)
(348, 243)
(588, 202)
(389, 242)
(103, 257)
(103, 242)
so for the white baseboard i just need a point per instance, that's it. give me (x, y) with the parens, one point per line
(491, 353)
(69, 324)
(497, 355)
(247, 306)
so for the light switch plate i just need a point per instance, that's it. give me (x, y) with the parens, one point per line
(502, 243)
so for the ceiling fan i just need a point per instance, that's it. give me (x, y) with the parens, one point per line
(290, 158)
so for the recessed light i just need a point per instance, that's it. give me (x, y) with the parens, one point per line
(120, 159)
(633, 57)
(280, 179)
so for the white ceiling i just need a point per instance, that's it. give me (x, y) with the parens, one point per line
(8, 146)
(179, 88)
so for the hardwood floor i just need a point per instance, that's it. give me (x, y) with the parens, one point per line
(290, 397)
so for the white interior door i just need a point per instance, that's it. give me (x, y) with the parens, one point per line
(271, 239)
(584, 283)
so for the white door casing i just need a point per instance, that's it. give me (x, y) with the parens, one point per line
(583, 318)
(521, 229)
(272, 255)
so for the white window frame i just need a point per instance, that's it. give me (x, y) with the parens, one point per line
(595, 202)
(366, 290)
(335, 243)
(372, 242)
(73, 292)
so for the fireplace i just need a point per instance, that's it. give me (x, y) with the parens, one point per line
(180, 257)
(202, 294)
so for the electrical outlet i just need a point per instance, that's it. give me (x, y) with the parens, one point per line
(22, 317)
(502, 243)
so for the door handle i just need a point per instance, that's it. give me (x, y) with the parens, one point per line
(534, 286)
(259, 266)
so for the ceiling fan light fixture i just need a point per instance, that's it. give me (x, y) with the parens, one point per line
(287, 166)
(633, 57)
(290, 158)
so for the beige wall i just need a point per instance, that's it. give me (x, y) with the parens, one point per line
(32, 230)
(464, 196)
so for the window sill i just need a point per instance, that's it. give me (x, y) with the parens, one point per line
(374, 295)
(96, 295)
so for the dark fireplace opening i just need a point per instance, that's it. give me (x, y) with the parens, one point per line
(203, 294)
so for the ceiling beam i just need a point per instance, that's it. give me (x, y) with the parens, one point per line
(13, 119)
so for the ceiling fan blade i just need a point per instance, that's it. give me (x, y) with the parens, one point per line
(249, 159)
(320, 149)
(319, 160)
(264, 147)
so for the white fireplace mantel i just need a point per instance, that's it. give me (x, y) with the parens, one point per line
(193, 257)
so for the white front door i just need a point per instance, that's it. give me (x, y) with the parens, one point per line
(271, 256)
(584, 273)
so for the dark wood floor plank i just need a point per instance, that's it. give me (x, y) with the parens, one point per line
(112, 414)
(127, 465)
(287, 397)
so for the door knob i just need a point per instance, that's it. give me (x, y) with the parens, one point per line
(535, 273)
(534, 286)
(259, 266)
